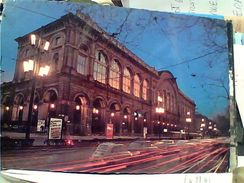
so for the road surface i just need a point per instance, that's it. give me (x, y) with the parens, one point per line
(182, 156)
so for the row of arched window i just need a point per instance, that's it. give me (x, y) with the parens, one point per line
(140, 88)
(168, 101)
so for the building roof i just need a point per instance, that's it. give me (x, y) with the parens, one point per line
(81, 17)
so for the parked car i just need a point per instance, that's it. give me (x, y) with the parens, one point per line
(110, 150)
(141, 145)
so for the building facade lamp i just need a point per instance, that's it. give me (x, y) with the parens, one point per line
(52, 106)
(33, 39)
(188, 120)
(21, 107)
(7, 108)
(95, 111)
(165, 130)
(160, 99)
(160, 110)
(201, 129)
(46, 46)
(112, 114)
(203, 125)
(77, 107)
(210, 127)
(43, 71)
(28, 65)
(125, 116)
(215, 129)
(203, 119)
(35, 107)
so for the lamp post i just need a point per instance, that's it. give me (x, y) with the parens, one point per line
(33, 66)
(159, 110)
(188, 121)
(202, 128)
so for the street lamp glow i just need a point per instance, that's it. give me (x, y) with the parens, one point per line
(135, 118)
(145, 120)
(215, 129)
(52, 106)
(77, 107)
(210, 127)
(21, 107)
(201, 129)
(123, 123)
(165, 130)
(203, 119)
(158, 122)
(159, 110)
(35, 107)
(167, 124)
(125, 116)
(7, 108)
(188, 120)
(112, 114)
(203, 125)
(188, 113)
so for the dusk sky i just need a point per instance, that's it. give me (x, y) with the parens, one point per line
(194, 49)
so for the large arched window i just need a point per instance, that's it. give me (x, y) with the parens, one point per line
(136, 86)
(55, 61)
(81, 65)
(100, 66)
(114, 75)
(145, 90)
(127, 81)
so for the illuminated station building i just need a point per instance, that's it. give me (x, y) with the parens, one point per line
(90, 79)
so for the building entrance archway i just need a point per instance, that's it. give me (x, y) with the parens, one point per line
(98, 123)
(80, 115)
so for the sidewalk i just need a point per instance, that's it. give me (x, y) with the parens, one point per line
(40, 138)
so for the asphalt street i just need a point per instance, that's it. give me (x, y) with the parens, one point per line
(182, 156)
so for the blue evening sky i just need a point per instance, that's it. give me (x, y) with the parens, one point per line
(194, 49)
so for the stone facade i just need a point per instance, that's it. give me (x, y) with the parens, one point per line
(93, 80)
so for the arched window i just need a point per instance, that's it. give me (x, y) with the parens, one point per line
(145, 90)
(168, 102)
(136, 86)
(127, 81)
(55, 60)
(81, 65)
(114, 75)
(99, 69)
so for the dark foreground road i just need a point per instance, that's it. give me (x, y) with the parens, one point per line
(194, 156)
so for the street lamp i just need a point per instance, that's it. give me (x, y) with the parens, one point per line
(159, 110)
(188, 121)
(202, 128)
(33, 66)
